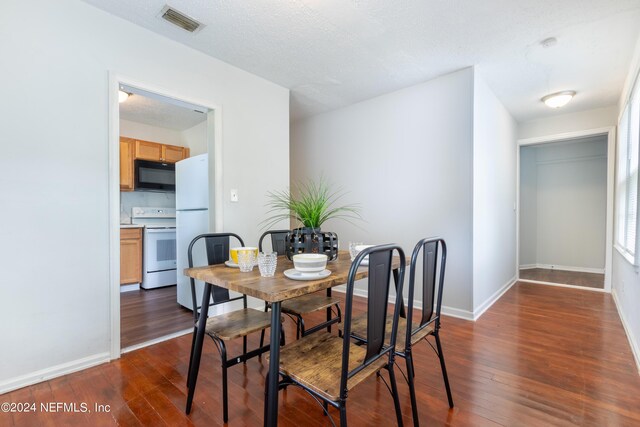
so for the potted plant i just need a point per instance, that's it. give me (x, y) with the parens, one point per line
(310, 205)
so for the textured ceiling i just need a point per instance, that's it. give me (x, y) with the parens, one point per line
(138, 108)
(332, 53)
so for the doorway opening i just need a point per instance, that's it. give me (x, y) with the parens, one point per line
(155, 138)
(565, 192)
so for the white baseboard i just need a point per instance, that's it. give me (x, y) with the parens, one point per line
(53, 372)
(635, 348)
(562, 267)
(563, 285)
(129, 288)
(158, 340)
(493, 298)
(447, 311)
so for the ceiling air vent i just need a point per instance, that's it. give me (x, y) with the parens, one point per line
(180, 19)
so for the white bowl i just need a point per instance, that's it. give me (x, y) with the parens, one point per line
(310, 263)
(360, 248)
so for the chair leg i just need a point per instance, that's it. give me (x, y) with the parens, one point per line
(266, 308)
(396, 397)
(225, 400)
(412, 387)
(244, 348)
(193, 343)
(444, 369)
(343, 414)
(328, 319)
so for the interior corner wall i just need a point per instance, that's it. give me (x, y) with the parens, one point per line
(407, 159)
(494, 196)
(54, 176)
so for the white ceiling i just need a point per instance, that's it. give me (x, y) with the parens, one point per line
(154, 112)
(332, 53)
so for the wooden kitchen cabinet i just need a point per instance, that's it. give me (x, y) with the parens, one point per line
(155, 152)
(173, 153)
(130, 255)
(146, 150)
(132, 149)
(126, 164)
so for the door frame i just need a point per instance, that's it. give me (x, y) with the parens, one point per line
(611, 162)
(214, 148)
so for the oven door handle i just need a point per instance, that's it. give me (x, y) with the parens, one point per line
(160, 230)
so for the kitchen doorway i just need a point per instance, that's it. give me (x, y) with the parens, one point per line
(565, 208)
(152, 134)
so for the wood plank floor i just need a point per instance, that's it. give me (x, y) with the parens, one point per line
(541, 356)
(574, 278)
(149, 314)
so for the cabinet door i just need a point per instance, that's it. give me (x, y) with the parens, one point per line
(146, 150)
(172, 153)
(126, 164)
(130, 256)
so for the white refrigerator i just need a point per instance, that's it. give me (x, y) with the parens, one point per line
(192, 219)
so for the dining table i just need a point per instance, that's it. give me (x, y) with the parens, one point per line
(273, 290)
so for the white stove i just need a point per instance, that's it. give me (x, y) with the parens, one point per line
(159, 245)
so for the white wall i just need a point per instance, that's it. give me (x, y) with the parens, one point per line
(494, 196)
(151, 133)
(406, 157)
(572, 201)
(625, 277)
(569, 192)
(195, 138)
(570, 122)
(54, 297)
(528, 207)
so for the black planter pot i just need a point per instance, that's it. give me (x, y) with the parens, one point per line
(312, 241)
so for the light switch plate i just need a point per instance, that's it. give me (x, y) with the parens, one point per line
(234, 195)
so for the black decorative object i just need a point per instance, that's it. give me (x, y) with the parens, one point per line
(312, 241)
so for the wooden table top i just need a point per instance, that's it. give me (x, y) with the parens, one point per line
(279, 287)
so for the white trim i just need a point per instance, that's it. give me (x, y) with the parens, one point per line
(635, 348)
(493, 298)
(563, 268)
(563, 285)
(611, 163)
(447, 311)
(157, 340)
(564, 136)
(626, 255)
(53, 372)
(115, 79)
(129, 288)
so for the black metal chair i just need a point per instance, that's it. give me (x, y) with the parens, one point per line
(327, 366)
(222, 327)
(429, 323)
(296, 307)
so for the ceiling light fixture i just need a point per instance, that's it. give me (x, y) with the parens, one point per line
(123, 96)
(558, 99)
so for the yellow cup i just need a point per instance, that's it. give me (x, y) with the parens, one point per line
(233, 252)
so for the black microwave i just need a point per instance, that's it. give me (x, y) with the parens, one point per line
(154, 176)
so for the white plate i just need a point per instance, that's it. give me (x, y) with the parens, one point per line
(294, 274)
(232, 264)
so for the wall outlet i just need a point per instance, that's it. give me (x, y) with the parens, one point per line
(234, 195)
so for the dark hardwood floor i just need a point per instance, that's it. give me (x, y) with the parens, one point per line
(149, 314)
(541, 356)
(574, 278)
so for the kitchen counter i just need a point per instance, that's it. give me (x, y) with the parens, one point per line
(131, 226)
